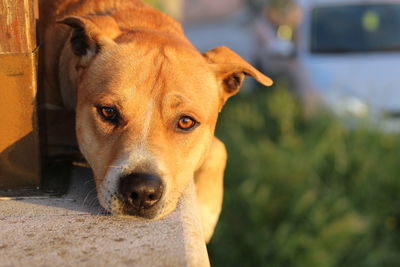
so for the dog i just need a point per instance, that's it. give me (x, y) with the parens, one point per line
(146, 103)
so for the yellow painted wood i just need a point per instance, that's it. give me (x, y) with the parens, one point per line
(19, 145)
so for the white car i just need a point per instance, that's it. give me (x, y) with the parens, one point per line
(347, 52)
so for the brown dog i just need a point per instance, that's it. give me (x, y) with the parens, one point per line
(146, 103)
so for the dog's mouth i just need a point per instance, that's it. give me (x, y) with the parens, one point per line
(140, 213)
(119, 207)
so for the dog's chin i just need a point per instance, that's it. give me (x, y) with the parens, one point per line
(141, 214)
(118, 208)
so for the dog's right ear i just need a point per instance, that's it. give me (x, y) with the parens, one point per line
(91, 34)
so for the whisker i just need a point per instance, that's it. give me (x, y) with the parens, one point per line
(87, 195)
(93, 202)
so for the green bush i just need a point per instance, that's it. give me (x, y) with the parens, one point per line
(155, 3)
(303, 191)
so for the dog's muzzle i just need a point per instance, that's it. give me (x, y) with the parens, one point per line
(140, 193)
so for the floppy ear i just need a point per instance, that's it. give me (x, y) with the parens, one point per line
(231, 69)
(90, 34)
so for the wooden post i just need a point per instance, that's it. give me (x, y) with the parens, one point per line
(19, 146)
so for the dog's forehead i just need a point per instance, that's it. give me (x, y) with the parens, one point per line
(154, 71)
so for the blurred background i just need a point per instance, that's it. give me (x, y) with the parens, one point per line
(313, 174)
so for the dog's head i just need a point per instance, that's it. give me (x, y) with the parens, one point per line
(147, 106)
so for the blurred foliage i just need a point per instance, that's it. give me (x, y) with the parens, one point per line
(305, 191)
(170, 7)
(278, 4)
(155, 3)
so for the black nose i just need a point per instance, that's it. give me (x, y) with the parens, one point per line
(141, 190)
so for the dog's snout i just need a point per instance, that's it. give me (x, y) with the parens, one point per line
(140, 190)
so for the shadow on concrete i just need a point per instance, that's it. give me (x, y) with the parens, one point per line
(63, 185)
(81, 196)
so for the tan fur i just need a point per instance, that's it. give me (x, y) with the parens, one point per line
(139, 60)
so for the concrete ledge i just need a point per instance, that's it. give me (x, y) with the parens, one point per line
(73, 231)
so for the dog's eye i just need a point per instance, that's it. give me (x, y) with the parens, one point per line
(186, 123)
(109, 114)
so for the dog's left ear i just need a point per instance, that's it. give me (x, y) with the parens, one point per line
(90, 34)
(231, 69)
